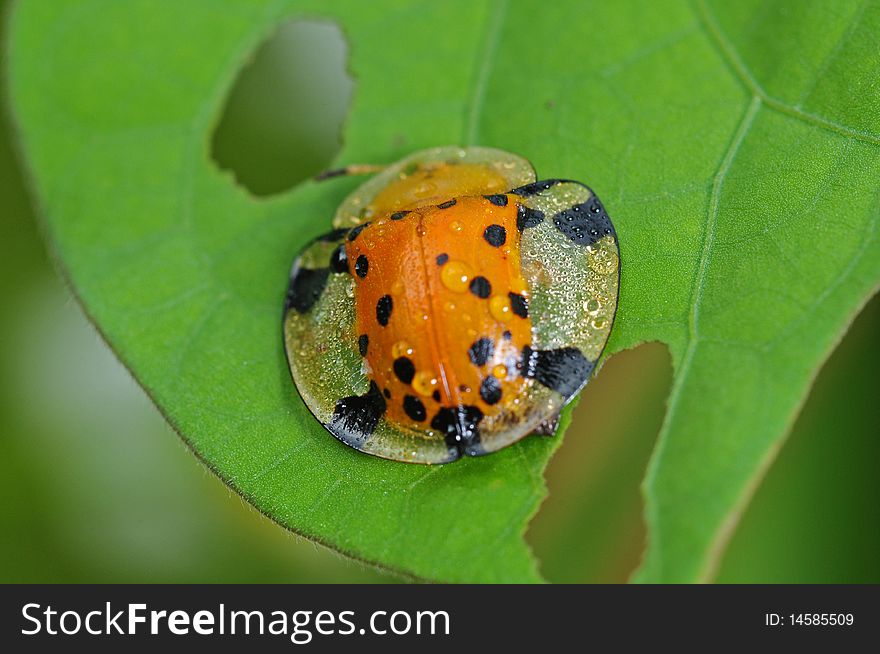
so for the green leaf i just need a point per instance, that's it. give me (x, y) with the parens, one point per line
(735, 145)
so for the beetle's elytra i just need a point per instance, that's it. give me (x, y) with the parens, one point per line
(456, 307)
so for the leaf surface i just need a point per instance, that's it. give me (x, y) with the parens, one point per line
(734, 144)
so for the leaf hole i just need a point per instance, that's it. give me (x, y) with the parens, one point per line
(283, 118)
(591, 527)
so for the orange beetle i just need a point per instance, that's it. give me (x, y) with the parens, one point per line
(457, 306)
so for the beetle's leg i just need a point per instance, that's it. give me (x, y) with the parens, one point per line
(350, 171)
(548, 427)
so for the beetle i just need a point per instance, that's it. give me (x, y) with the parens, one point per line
(457, 305)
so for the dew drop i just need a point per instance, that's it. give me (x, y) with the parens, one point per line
(456, 276)
(499, 307)
(424, 383)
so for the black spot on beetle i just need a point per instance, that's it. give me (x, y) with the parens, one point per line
(339, 260)
(584, 224)
(495, 235)
(404, 369)
(490, 390)
(527, 217)
(436, 396)
(442, 258)
(356, 417)
(383, 309)
(363, 344)
(564, 369)
(480, 351)
(519, 304)
(447, 204)
(355, 232)
(397, 215)
(305, 288)
(361, 266)
(459, 426)
(499, 199)
(481, 287)
(507, 335)
(536, 187)
(414, 408)
(386, 393)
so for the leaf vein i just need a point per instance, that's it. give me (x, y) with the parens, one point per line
(484, 67)
(733, 59)
(693, 319)
(832, 55)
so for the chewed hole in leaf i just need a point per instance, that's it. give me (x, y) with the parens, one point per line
(590, 528)
(283, 118)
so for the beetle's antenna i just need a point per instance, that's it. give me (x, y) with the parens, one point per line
(354, 169)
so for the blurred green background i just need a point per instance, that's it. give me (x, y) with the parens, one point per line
(97, 488)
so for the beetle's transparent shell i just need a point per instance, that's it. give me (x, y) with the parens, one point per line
(457, 306)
